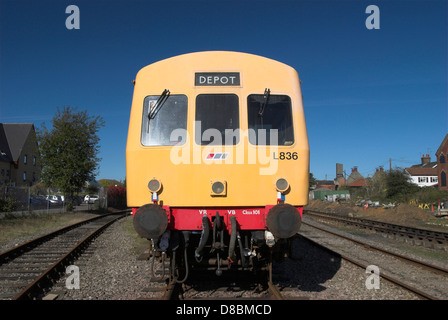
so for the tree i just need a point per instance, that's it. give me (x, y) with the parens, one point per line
(311, 181)
(398, 185)
(69, 151)
(377, 186)
(110, 183)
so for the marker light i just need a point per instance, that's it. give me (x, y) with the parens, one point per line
(281, 185)
(154, 185)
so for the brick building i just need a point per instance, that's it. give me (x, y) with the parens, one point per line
(442, 163)
(19, 155)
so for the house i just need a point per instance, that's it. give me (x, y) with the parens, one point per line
(356, 179)
(19, 155)
(425, 173)
(327, 184)
(442, 164)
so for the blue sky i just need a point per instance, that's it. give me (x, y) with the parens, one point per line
(369, 95)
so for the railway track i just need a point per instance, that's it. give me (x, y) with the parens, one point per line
(291, 281)
(27, 270)
(261, 291)
(231, 285)
(422, 237)
(424, 279)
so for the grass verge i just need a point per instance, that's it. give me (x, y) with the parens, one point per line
(140, 244)
(14, 228)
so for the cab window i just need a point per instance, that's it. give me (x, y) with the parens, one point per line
(265, 116)
(217, 119)
(161, 119)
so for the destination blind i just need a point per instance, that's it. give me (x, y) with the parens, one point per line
(217, 79)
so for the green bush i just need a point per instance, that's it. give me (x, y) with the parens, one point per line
(430, 195)
(8, 205)
(395, 186)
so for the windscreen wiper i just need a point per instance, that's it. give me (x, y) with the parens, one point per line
(159, 103)
(266, 95)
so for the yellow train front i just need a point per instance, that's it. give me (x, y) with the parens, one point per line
(217, 159)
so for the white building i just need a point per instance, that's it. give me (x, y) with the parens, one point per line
(424, 174)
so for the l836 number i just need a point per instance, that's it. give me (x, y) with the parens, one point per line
(287, 156)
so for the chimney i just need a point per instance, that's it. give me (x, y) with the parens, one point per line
(426, 159)
(339, 170)
(354, 169)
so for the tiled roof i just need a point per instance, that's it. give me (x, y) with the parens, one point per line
(419, 171)
(12, 138)
(426, 165)
(360, 182)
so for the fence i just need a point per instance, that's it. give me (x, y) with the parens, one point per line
(24, 199)
(28, 199)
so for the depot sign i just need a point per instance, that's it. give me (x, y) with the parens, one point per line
(217, 79)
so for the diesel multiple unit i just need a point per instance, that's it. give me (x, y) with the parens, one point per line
(217, 159)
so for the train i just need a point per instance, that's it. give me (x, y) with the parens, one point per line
(217, 160)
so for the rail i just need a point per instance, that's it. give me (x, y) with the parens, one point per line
(439, 271)
(35, 260)
(423, 237)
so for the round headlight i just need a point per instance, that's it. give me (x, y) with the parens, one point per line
(281, 185)
(154, 185)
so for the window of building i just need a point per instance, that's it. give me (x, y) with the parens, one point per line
(34, 161)
(217, 119)
(443, 179)
(24, 175)
(423, 179)
(268, 114)
(442, 158)
(25, 159)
